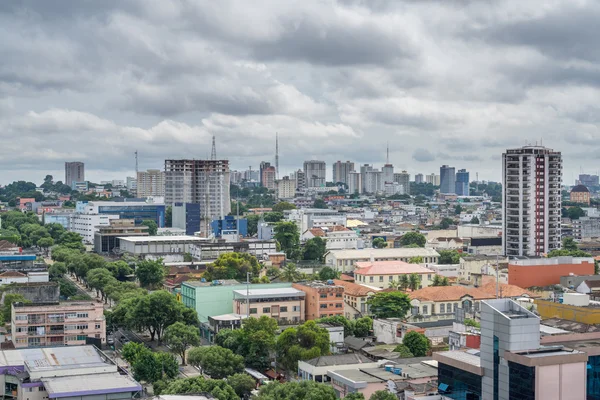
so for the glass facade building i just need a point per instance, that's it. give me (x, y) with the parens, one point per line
(458, 384)
(522, 382)
(593, 378)
(139, 213)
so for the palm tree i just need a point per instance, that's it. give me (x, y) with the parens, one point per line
(436, 281)
(404, 282)
(290, 273)
(394, 284)
(414, 281)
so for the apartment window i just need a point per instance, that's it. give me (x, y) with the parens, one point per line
(70, 327)
(82, 315)
(449, 307)
(323, 295)
(323, 306)
(81, 337)
(476, 306)
(21, 318)
(381, 279)
(266, 309)
(338, 295)
(338, 305)
(253, 311)
(455, 307)
(283, 309)
(71, 315)
(390, 278)
(429, 276)
(371, 279)
(82, 326)
(425, 310)
(295, 308)
(442, 308)
(70, 338)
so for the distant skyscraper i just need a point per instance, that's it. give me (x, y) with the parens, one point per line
(462, 183)
(433, 179)
(263, 166)
(373, 181)
(419, 178)
(268, 177)
(132, 184)
(447, 179)
(341, 170)
(403, 178)
(531, 201)
(74, 172)
(300, 179)
(150, 183)
(355, 183)
(205, 182)
(588, 180)
(315, 172)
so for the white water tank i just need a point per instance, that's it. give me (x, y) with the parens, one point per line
(576, 299)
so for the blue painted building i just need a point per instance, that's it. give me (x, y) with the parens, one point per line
(462, 183)
(186, 216)
(230, 223)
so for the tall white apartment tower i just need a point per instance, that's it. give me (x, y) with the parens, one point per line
(531, 201)
(150, 183)
(341, 171)
(314, 173)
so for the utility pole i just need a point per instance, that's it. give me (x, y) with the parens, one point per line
(247, 294)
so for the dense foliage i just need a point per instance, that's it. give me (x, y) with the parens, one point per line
(389, 304)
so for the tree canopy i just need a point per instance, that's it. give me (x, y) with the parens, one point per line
(218, 388)
(150, 273)
(282, 206)
(152, 226)
(327, 273)
(416, 343)
(302, 343)
(232, 266)
(449, 257)
(180, 337)
(413, 238)
(314, 249)
(216, 361)
(304, 390)
(379, 243)
(389, 304)
(288, 237)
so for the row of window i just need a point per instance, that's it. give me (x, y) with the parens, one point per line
(267, 310)
(324, 295)
(338, 305)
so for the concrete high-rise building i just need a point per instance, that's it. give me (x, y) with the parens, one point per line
(315, 172)
(462, 183)
(419, 178)
(263, 166)
(403, 178)
(387, 173)
(447, 179)
(286, 188)
(300, 179)
(373, 181)
(363, 175)
(355, 183)
(74, 172)
(433, 179)
(132, 184)
(150, 183)
(268, 177)
(251, 175)
(531, 201)
(341, 171)
(204, 182)
(588, 180)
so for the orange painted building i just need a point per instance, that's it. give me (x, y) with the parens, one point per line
(547, 271)
(322, 299)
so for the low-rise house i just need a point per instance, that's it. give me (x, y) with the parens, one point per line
(316, 369)
(355, 298)
(589, 287)
(57, 324)
(344, 260)
(382, 273)
(323, 299)
(441, 302)
(445, 243)
(286, 305)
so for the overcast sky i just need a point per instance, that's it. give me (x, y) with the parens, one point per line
(444, 82)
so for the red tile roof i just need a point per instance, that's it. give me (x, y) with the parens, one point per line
(389, 268)
(12, 274)
(317, 232)
(506, 290)
(449, 293)
(354, 289)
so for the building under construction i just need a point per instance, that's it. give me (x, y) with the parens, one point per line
(205, 182)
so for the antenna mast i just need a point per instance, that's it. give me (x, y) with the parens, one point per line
(387, 155)
(136, 163)
(213, 154)
(277, 154)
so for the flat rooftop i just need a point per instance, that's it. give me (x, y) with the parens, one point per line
(160, 239)
(92, 384)
(356, 375)
(268, 293)
(222, 282)
(48, 358)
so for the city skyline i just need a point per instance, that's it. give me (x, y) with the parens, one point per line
(244, 72)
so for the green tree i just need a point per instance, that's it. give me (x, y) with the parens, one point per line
(383, 395)
(71, 240)
(403, 351)
(243, 384)
(315, 249)
(475, 220)
(446, 222)
(67, 288)
(180, 337)
(273, 216)
(131, 351)
(169, 217)
(403, 282)
(355, 396)
(363, 327)
(152, 367)
(417, 343)
(216, 361)
(57, 270)
(45, 243)
(575, 212)
(449, 257)
(327, 273)
(416, 260)
(305, 342)
(472, 322)
(414, 281)
(413, 238)
(290, 273)
(389, 304)
(252, 224)
(9, 300)
(569, 244)
(283, 205)
(458, 209)
(288, 237)
(233, 266)
(440, 281)
(379, 243)
(339, 320)
(320, 203)
(218, 388)
(305, 390)
(150, 273)
(152, 226)
(120, 270)
(98, 279)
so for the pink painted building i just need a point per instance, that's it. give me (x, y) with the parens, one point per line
(57, 324)
(286, 305)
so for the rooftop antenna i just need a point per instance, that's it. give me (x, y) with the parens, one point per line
(213, 154)
(136, 163)
(277, 154)
(387, 156)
